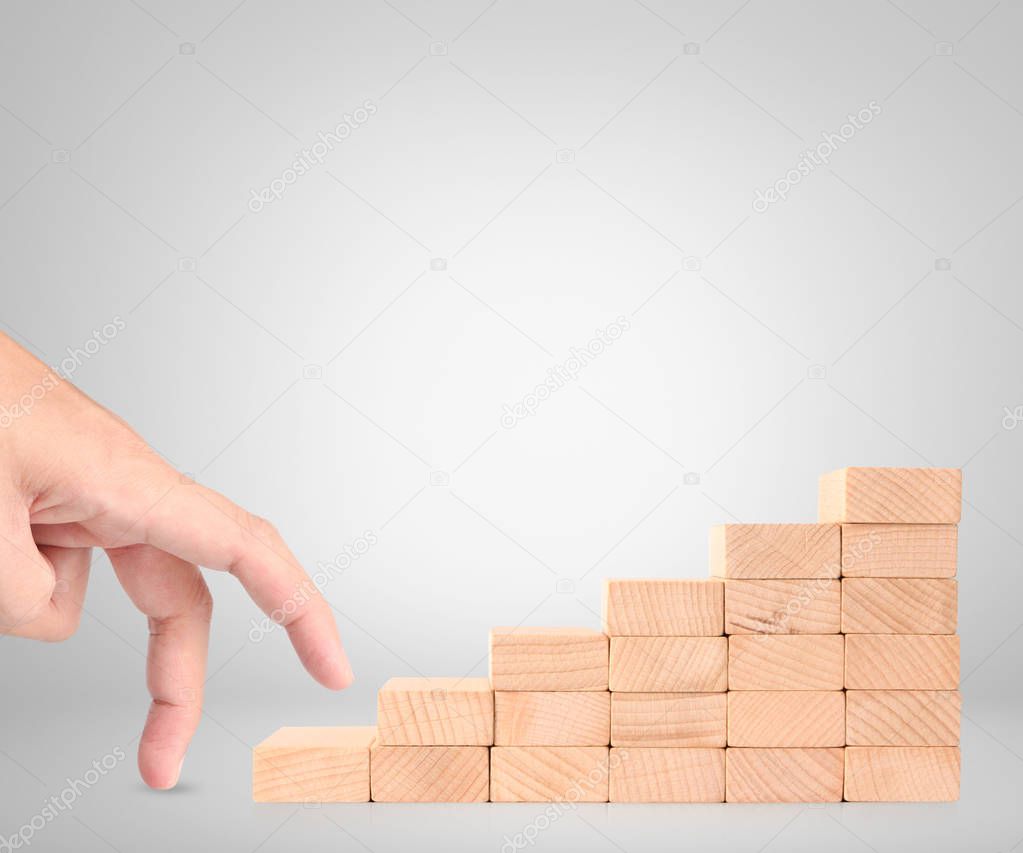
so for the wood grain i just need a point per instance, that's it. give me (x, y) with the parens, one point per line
(549, 774)
(667, 775)
(786, 662)
(901, 662)
(899, 606)
(668, 719)
(899, 550)
(664, 608)
(891, 495)
(903, 717)
(548, 659)
(669, 664)
(435, 712)
(783, 606)
(430, 774)
(784, 718)
(758, 551)
(313, 765)
(784, 775)
(902, 774)
(537, 718)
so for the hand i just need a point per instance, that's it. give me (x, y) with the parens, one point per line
(73, 476)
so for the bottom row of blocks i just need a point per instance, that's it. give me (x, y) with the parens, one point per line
(334, 765)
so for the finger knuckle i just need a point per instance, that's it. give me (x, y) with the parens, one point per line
(262, 528)
(204, 604)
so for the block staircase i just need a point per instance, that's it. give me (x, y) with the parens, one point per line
(819, 662)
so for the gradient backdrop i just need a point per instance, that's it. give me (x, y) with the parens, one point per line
(336, 350)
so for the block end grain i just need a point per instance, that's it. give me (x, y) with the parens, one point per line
(313, 765)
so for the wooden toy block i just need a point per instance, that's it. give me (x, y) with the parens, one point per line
(899, 606)
(549, 774)
(786, 718)
(891, 495)
(664, 608)
(783, 606)
(901, 662)
(899, 550)
(435, 712)
(759, 551)
(668, 719)
(669, 664)
(902, 717)
(548, 659)
(667, 775)
(430, 774)
(784, 775)
(536, 718)
(901, 774)
(313, 765)
(786, 662)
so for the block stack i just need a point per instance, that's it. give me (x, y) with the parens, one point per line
(433, 741)
(668, 677)
(786, 708)
(552, 715)
(818, 662)
(899, 608)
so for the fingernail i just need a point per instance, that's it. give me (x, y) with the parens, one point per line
(177, 776)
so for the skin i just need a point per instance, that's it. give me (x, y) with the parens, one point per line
(73, 477)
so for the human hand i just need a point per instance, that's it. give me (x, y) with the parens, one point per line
(73, 476)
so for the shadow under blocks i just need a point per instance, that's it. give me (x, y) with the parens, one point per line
(818, 662)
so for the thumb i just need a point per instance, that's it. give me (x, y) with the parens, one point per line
(26, 577)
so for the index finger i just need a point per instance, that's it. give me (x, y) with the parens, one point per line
(202, 526)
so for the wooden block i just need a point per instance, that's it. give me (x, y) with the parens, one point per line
(548, 659)
(536, 718)
(435, 712)
(901, 662)
(667, 775)
(549, 774)
(901, 774)
(668, 719)
(786, 662)
(899, 550)
(783, 606)
(899, 606)
(783, 718)
(664, 608)
(313, 765)
(757, 551)
(902, 717)
(784, 775)
(669, 664)
(891, 495)
(430, 774)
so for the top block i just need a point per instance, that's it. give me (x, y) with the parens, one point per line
(548, 659)
(891, 495)
(435, 712)
(664, 608)
(764, 551)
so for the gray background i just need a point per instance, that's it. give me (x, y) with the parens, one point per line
(306, 360)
